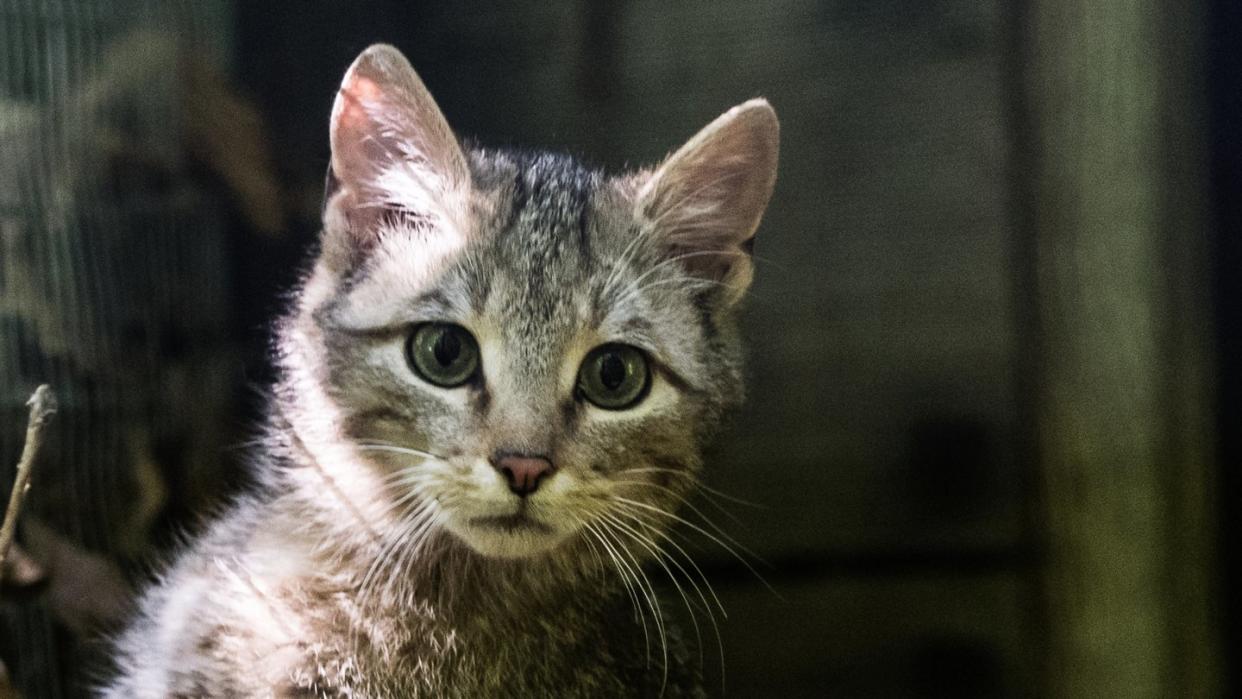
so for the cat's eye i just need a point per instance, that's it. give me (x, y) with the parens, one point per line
(614, 377)
(443, 354)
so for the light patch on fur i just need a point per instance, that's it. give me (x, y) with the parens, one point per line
(253, 600)
(406, 266)
(409, 185)
(339, 473)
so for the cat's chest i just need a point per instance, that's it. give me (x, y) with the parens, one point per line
(412, 653)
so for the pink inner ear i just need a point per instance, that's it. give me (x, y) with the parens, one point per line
(355, 94)
(363, 88)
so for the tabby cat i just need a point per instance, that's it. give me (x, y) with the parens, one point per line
(497, 383)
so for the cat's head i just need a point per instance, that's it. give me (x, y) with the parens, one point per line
(512, 347)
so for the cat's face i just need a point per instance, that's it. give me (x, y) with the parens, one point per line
(513, 348)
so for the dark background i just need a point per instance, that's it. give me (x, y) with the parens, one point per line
(938, 514)
(1225, 80)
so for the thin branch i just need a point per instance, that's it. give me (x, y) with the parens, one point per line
(42, 406)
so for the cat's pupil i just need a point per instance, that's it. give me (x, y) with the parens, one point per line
(611, 371)
(447, 348)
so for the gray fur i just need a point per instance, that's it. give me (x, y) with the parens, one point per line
(316, 586)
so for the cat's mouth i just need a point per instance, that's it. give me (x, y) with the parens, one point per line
(514, 535)
(517, 522)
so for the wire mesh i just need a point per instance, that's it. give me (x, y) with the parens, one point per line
(113, 281)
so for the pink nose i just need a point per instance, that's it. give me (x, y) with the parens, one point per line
(523, 472)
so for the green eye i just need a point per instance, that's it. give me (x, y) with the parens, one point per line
(443, 354)
(614, 377)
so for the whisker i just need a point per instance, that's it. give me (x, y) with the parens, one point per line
(376, 446)
(648, 591)
(406, 518)
(590, 543)
(701, 486)
(658, 531)
(659, 554)
(629, 586)
(686, 501)
(405, 524)
(640, 519)
(709, 535)
(407, 475)
(412, 549)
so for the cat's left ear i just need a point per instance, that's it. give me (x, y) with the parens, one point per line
(395, 161)
(705, 201)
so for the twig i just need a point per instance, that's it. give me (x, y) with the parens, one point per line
(42, 406)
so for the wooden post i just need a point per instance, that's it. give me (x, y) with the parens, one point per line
(1122, 390)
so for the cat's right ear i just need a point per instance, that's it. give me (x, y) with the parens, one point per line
(396, 164)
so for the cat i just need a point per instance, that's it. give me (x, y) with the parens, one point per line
(498, 380)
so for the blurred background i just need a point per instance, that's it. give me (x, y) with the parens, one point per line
(995, 337)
